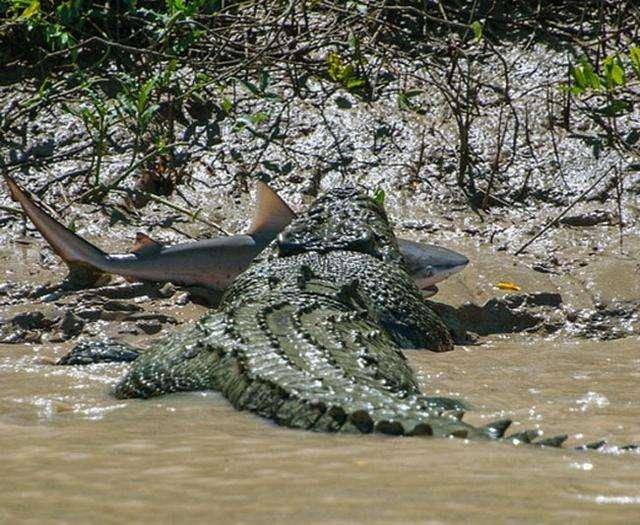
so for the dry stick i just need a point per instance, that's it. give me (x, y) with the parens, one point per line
(554, 143)
(496, 163)
(564, 212)
(619, 190)
(12, 210)
(95, 190)
(193, 215)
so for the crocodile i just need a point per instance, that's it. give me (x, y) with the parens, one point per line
(310, 336)
(211, 263)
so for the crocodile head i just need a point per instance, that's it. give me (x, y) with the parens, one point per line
(342, 219)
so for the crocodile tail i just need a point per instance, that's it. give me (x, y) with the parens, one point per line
(85, 261)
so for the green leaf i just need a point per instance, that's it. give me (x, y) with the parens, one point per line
(69, 12)
(378, 196)
(251, 87)
(334, 67)
(264, 80)
(176, 6)
(634, 57)
(585, 77)
(226, 105)
(591, 77)
(354, 83)
(146, 115)
(344, 74)
(613, 72)
(617, 74)
(259, 117)
(578, 77)
(31, 10)
(477, 28)
(143, 95)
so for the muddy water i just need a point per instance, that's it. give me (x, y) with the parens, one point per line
(69, 452)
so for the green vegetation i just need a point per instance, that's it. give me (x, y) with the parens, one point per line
(161, 82)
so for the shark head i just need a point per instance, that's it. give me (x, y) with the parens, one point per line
(429, 264)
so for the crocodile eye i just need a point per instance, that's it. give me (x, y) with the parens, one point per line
(293, 238)
(361, 240)
(286, 244)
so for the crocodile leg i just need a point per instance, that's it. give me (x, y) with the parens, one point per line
(186, 361)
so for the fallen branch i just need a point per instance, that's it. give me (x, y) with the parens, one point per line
(192, 215)
(563, 213)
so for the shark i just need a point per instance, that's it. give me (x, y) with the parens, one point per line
(212, 263)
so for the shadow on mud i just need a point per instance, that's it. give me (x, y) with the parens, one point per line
(543, 313)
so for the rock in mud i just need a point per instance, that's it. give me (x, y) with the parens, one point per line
(117, 310)
(166, 290)
(150, 327)
(71, 325)
(89, 352)
(120, 306)
(589, 219)
(511, 313)
(32, 320)
(27, 327)
(539, 312)
(607, 321)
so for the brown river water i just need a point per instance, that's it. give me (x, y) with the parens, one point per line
(69, 453)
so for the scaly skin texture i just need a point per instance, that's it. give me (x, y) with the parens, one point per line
(310, 336)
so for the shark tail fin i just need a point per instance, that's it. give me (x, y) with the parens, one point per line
(85, 261)
(272, 214)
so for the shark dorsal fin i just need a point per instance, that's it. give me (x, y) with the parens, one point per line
(272, 214)
(145, 245)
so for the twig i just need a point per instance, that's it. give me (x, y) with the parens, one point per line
(69, 175)
(619, 190)
(554, 143)
(563, 213)
(193, 215)
(104, 189)
(495, 167)
(12, 210)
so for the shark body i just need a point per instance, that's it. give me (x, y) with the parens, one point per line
(212, 263)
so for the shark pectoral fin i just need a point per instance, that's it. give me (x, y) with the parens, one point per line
(145, 245)
(272, 213)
